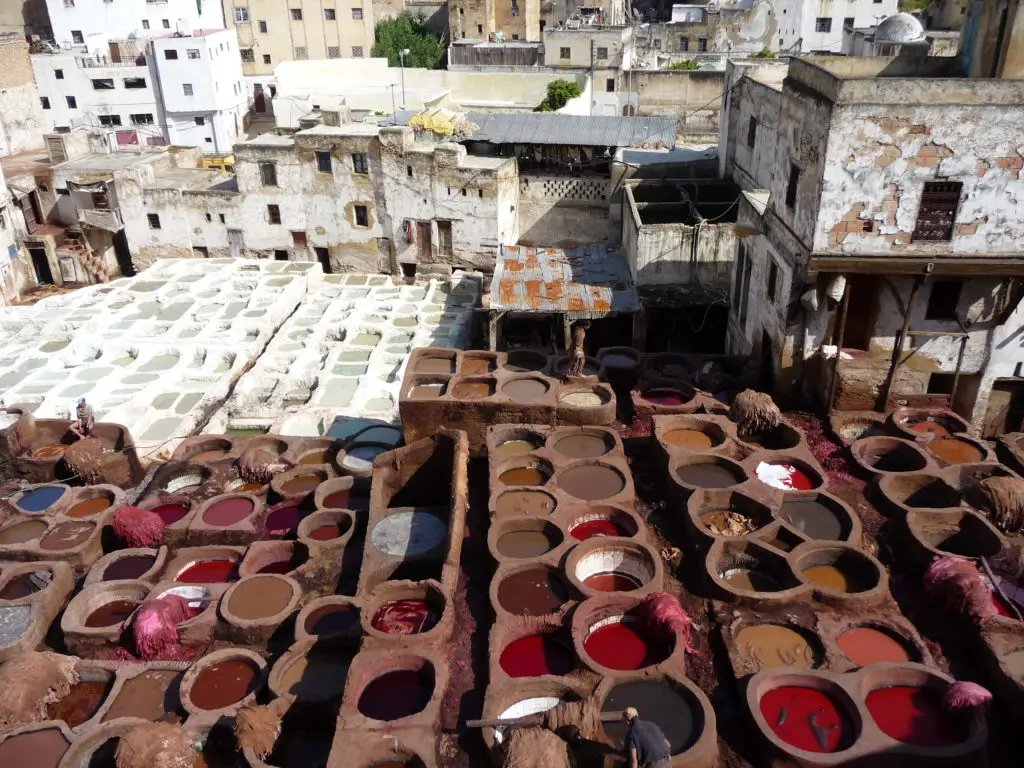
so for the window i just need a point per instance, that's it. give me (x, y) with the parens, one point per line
(773, 278)
(77, 37)
(165, 23)
(323, 161)
(143, 118)
(479, 29)
(515, 37)
(333, 52)
(209, 217)
(296, 14)
(357, 51)
(103, 84)
(848, 22)
(794, 181)
(154, 220)
(186, 88)
(273, 91)
(752, 132)
(134, 83)
(280, 255)
(299, 239)
(362, 215)
(170, 54)
(357, 14)
(657, 43)
(943, 299)
(46, 102)
(602, 53)
(360, 163)
(110, 119)
(444, 238)
(684, 44)
(564, 53)
(263, 27)
(937, 212)
(408, 171)
(201, 252)
(329, 14)
(69, 3)
(268, 174)
(192, 53)
(702, 45)
(266, 58)
(247, 55)
(200, 121)
(823, 24)
(58, 74)
(145, 23)
(274, 214)
(515, 7)
(72, 102)
(300, 53)
(324, 257)
(609, 85)
(241, 14)
(221, 215)
(737, 284)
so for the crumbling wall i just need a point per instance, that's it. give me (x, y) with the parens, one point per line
(751, 166)
(693, 97)
(21, 116)
(563, 211)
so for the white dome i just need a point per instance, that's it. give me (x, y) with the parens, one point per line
(900, 28)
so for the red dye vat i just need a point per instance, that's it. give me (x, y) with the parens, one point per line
(405, 617)
(278, 566)
(536, 655)
(209, 572)
(663, 397)
(171, 513)
(282, 521)
(619, 646)
(195, 610)
(612, 581)
(914, 716)
(326, 533)
(594, 528)
(228, 512)
(1001, 608)
(807, 719)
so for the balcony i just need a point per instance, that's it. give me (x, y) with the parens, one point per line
(101, 218)
(94, 62)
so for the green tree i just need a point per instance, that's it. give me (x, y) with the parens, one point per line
(911, 6)
(426, 49)
(764, 53)
(685, 64)
(559, 93)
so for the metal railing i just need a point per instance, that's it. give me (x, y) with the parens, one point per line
(92, 62)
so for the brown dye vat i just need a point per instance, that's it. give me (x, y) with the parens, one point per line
(316, 457)
(516, 448)
(260, 597)
(22, 533)
(523, 476)
(146, 696)
(524, 503)
(955, 451)
(751, 580)
(831, 577)
(476, 366)
(24, 584)
(533, 592)
(300, 485)
(867, 645)
(437, 365)
(228, 512)
(49, 451)
(331, 620)
(89, 507)
(81, 703)
(612, 581)
(320, 674)
(812, 518)
(130, 567)
(111, 614)
(525, 544)
(659, 702)
(472, 390)
(728, 522)
(211, 455)
(224, 684)
(66, 536)
(583, 446)
(688, 439)
(524, 389)
(770, 646)
(426, 391)
(708, 475)
(36, 749)
(346, 500)
(591, 482)
(249, 488)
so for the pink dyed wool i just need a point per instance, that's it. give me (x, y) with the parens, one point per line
(661, 612)
(957, 584)
(139, 527)
(967, 698)
(155, 628)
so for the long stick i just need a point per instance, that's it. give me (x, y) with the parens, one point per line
(529, 721)
(999, 590)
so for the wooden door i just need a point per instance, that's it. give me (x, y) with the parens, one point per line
(862, 303)
(27, 208)
(424, 238)
(115, 53)
(259, 100)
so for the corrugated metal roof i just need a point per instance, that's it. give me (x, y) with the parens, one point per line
(585, 282)
(550, 128)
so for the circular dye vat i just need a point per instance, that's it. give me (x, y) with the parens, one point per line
(914, 716)
(524, 503)
(228, 512)
(592, 529)
(209, 572)
(89, 507)
(659, 702)
(316, 457)
(524, 389)
(25, 584)
(318, 675)
(66, 536)
(709, 475)
(171, 513)
(360, 457)
(22, 533)
(807, 719)
(395, 695)
(612, 581)
(536, 655)
(952, 450)
(771, 646)
(282, 521)
(300, 485)
(405, 617)
(224, 684)
(812, 518)
(751, 580)
(260, 597)
(523, 476)
(669, 397)
(330, 531)
(331, 620)
(111, 614)
(40, 499)
(473, 390)
(867, 645)
(582, 399)
(49, 451)
(591, 482)
(280, 567)
(688, 439)
(521, 544)
(80, 704)
(40, 749)
(346, 500)
(618, 645)
(406, 534)
(247, 488)
(517, 447)
(211, 455)
(130, 567)
(533, 592)
(583, 446)
(834, 578)
(618, 360)
(927, 426)
(784, 476)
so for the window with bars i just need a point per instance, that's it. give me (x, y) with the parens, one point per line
(823, 24)
(110, 119)
(937, 211)
(330, 15)
(241, 14)
(684, 44)
(186, 88)
(357, 14)
(296, 14)
(263, 27)
(602, 53)
(154, 220)
(247, 54)
(323, 161)
(357, 51)
(702, 45)
(268, 174)
(274, 214)
(360, 163)
(564, 53)
(300, 53)
(333, 52)
(192, 53)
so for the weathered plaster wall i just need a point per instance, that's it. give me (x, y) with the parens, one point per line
(563, 211)
(693, 97)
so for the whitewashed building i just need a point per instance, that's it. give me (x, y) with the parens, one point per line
(804, 26)
(84, 22)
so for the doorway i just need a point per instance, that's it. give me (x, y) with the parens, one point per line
(767, 363)
(423, 236)
(861, 307)
(123, 254)
(44, 276)
(1005, 410)
(30, 208)
(258, 99)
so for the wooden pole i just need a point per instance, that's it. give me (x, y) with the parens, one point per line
(897, 348)
(530, 721)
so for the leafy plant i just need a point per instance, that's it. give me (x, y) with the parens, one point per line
(426, 49)
(764, 53)
(910, 6)
(687, 65)
(559, 93)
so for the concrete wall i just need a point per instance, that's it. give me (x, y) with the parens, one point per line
(563, 211)
(693, 97)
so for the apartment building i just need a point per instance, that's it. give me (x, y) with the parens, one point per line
(272, 31)
(816, 26)
(75, 22)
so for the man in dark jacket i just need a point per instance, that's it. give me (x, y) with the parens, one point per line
(646, 745)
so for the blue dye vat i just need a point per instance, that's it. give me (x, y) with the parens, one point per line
(39, 499)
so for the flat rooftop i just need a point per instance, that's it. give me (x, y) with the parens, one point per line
(32, 161)
(189, 178)
(348, 129)
(114, 161)
(268, 140)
